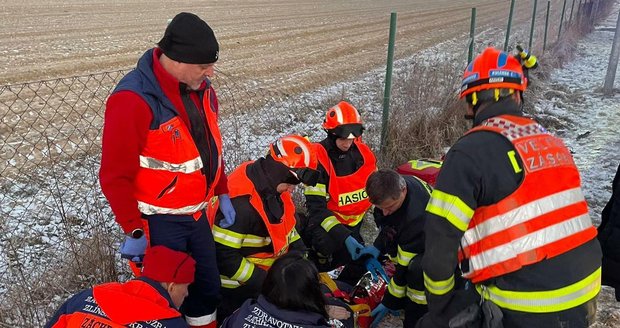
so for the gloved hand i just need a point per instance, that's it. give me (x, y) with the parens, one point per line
(370, 250)
(228, 210)
(379, 313)
(133, 249)
(354, 247)
(375, 269)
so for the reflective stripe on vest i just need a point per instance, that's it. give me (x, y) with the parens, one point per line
(347, 194)
(546, 216)
(170, 178)
(545, 301)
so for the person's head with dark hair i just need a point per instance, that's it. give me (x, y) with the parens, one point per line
(292, 283)
(386, 189)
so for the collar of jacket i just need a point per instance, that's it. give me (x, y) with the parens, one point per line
(299, 317)
(505, 106)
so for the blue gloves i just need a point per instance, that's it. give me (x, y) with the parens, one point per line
(133, 249)
(379, 313)
(228, 210)
(354, 247)
(370, 250)
(375, 269)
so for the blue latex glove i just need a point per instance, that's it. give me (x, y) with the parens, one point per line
(133, 249)
(228, 210)
(370, 250)
(375, 268)
(379, 313)
(354, 247)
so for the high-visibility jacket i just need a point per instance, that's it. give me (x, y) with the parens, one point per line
(136, 303)
(258, 250)
(539, 220)
(172, 178)
(347, 194)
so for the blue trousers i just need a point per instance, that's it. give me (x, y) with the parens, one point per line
(183, 233)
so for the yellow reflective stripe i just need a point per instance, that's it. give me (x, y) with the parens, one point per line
(421, 164)
(352, 220)
(439, 287)
(396, 290)
(416, 296)
(318, 190)
(246, 268)
(187, 167)
(513, 160)
(329, 222)
(450, 207)
(262, 261)
(545, 301)
(229, 283)
(227, 237)
(293, 236)
(255, 241)
(403, 258)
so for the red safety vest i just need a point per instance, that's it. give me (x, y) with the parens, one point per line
(347, 194)
(240, 185)
(170, 180)
(546, 216)
(126, 303)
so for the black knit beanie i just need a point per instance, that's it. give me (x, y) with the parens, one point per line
(188, 39)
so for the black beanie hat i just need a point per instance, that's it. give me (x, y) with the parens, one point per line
(188, 39)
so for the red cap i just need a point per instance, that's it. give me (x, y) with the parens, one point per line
(165, 265)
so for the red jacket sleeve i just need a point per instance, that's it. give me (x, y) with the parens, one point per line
(126, 125)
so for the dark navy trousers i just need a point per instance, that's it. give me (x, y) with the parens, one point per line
(184, 233)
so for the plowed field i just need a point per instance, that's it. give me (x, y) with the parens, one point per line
(277, 43)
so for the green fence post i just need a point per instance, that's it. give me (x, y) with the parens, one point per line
(388, 80)
(472, 32)
(546, 26)
(562, 19)
(512, 8)
(529, 48)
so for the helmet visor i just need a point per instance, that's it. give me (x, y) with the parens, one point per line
(348, 131)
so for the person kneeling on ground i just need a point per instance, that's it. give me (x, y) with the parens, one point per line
(291, 297)
(149, 301)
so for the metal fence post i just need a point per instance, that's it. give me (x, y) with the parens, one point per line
(562, 19)
(472, 32)
(546, 26)
(388, 80)
(532, 27)
(512, 8)
(613, 62)
(572, 6)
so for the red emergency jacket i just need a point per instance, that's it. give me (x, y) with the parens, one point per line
(170, 179)
(541, 219)
(347, 194)
(139, 302)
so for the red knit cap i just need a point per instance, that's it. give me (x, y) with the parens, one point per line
(165, 265)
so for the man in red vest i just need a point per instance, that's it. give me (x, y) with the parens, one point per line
(508, 208)
(338, 202)
(265, 229)
(150, 301)
(161, 162)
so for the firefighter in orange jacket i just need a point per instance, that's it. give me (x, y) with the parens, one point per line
(508, 205)
(150, 301)
(265, 227)
(338, 202)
